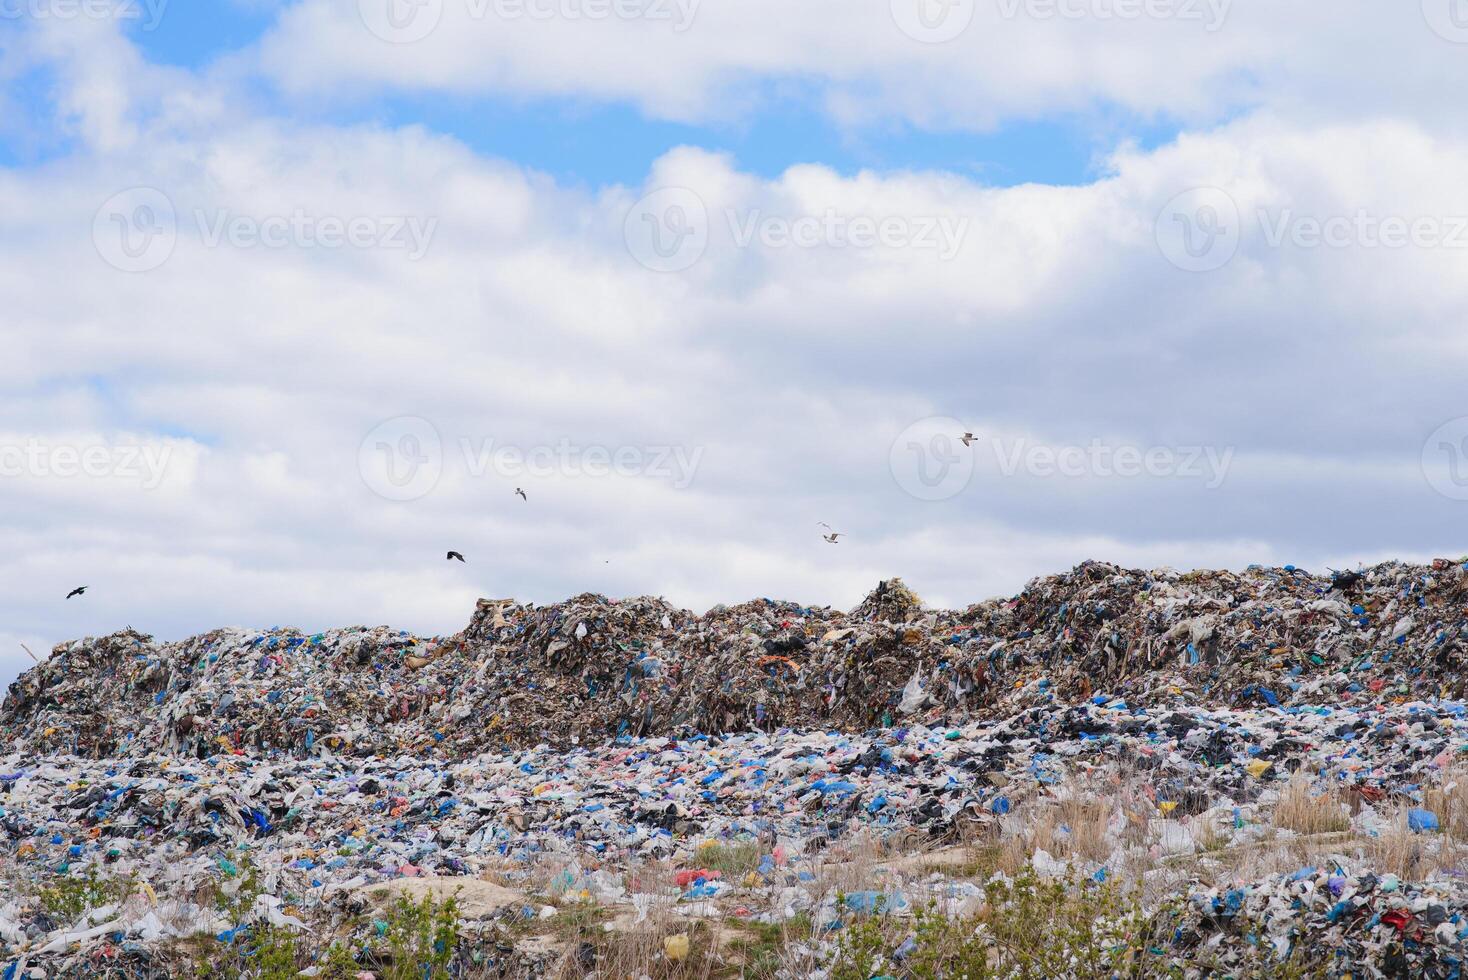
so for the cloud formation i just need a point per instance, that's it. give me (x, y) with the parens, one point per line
(262, 370)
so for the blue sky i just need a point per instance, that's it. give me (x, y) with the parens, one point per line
(596, 142)
(313, 299)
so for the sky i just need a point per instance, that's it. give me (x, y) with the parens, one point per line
(296, 294)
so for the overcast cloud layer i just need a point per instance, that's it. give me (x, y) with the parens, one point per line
(260, 369)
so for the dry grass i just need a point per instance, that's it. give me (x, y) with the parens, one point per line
(1449, 800)
(1076, 826)
(1407, 854)
(1207, 833)
(1305, 811)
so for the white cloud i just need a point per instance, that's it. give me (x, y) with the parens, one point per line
(790, 364)
(683, 59)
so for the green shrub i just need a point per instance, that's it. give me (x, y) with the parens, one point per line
(419, 938)
(1030, 928)
(69, 896)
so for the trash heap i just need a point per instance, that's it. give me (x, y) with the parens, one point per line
(1376, 924)
(323, 831)
(1111, 722)
(593, 668)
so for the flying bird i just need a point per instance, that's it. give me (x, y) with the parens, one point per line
(452, 555)
(521, 494)
(77, 591)
(831, 538)
(968, 438)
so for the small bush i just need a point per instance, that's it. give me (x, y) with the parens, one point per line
(732, 860)
(1028, 928)
(70, 896)
(420, 938)
(411, 941)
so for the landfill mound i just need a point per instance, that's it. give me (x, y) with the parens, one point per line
(592, 668)
(1159, 774)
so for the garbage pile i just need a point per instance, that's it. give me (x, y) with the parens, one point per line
(320, 831)
(593, 668)
(762, 763)
(1368, 922)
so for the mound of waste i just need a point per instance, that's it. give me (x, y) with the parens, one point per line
(1269, 767)
(593, 668)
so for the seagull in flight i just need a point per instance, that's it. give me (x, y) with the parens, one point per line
(77, 591)
(521, 494)
(968, 438)
(831, 534)
(452, 555)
